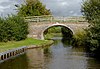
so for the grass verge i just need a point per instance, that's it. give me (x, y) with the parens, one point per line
(14, 44)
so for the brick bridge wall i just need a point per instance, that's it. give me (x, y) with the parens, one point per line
(36, 29)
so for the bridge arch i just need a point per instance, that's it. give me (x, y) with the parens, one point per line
(57, 24)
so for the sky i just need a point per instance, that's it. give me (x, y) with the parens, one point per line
(57, 7)
(7, 6)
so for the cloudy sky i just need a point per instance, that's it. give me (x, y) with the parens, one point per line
(7, 6)
(57, 7)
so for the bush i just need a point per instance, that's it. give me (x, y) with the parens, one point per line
(79, 38)
(13, 28)
(91, 11)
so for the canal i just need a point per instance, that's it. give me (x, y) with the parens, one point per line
(58, 56)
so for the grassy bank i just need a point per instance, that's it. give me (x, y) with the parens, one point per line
(14, 44)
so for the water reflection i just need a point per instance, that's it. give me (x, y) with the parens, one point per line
(35, 58)
(65, 57)
(57, 56)
(18, 63)
(66, 42)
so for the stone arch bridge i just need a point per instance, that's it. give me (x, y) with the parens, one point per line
(36, 30)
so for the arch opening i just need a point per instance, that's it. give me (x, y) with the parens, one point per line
(66, 31)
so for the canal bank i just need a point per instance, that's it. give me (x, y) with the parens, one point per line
(5, 46)
(12, 53)
(12, 50)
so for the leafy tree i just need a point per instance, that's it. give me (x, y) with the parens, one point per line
(91, 11)
(13, 28)
(32, 8)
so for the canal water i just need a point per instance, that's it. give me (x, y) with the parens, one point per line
(61, 55)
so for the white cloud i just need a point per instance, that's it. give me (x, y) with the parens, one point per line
(1, 10)
(2, 7)
(4, 1)
(64, 4)
(75, 14)
(71, 12)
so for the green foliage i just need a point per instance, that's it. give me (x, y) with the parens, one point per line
(67, 33)
(52, 31)
(58, 31)
(13, 28)
(91, 11)
(32, 8)
(79, 38)
(49, 36)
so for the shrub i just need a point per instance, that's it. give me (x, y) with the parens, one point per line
(79, 38)
(13, 28)
(91, 11)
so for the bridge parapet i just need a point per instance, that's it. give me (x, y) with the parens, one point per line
(52, 19)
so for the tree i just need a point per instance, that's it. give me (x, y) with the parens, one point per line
(91, 11)
(32, 8)
(13, 28)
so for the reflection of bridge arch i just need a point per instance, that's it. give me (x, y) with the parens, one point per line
(57, 24)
